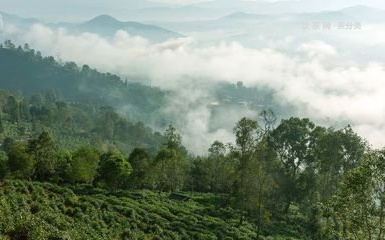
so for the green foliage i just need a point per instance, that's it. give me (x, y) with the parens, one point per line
(27, 71)
(43, 150)
(4, 167)
(114, 171)
(170, 167)
(247, 133)
(20, 162)
(219, 169)
(12, 108)
(140, 161)
(83, 166)
(291, 181)
(169, 170)
(46, 211)
(71, 125)
(173, 139)
(358, 205)
(292, 141)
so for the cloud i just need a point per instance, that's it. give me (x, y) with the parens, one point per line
(1, 22)
(316, 79)
(318, 49)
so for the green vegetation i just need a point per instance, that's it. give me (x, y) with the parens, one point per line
(72, 124)
(33, 210)
(26, 71)
(81, 171)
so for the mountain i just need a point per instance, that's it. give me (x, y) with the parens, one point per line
(106, 25)
(103, 25)
(365, 13)
(354, 13)
(275, 7)
(16, 20)
(252, 27)
(27, 72)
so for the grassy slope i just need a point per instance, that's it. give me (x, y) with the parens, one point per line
(31, 210)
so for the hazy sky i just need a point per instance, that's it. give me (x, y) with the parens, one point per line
(58, 10)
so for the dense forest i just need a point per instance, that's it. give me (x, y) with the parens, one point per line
(25, 70)
(72, 167)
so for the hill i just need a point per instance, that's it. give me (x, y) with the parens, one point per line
(106, 25)
(71, 167)
(71, 124)
(32, 210)
(24, 70)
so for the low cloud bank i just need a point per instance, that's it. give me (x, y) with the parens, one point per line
(316, 79)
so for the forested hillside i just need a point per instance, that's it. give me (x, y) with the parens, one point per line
(48, 211)
(72, 124)
(25, 70)
(71, 167)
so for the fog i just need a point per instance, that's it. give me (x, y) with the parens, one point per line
(323, 76)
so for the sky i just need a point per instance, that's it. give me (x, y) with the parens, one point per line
(75, 10)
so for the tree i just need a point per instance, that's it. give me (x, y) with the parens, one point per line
(262, 183)
(170, 166)
(292, 141)
(248, 135)
(4, 165)
(198, 175)
(107, 120)
(114, 171)
(173, 138)
(170, 170)
(219, 168)
(44, 152)
(12, 108)
(7, 143)
(358, 207)
(24, 110)
(335, 153)
(21, 163)
(1, 123)
(8, 44)
(83, 166)
(140, 161)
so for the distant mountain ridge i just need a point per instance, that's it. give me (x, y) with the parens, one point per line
(107, 25)
(104, 25)
(360, 12)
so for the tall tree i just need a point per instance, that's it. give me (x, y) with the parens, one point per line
(44, 152)
(12, 107)
(170, 166)
(140, 161)
(292, 141)
(4, 165)
(358, 207)
(219, 168)
(114, 171)
(248, 135)
(335, 153)
(21, 163)
(83, 166)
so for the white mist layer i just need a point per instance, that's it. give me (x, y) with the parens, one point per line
(316, 79)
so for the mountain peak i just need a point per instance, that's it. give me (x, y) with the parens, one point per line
(104, 19)
(361, 8)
